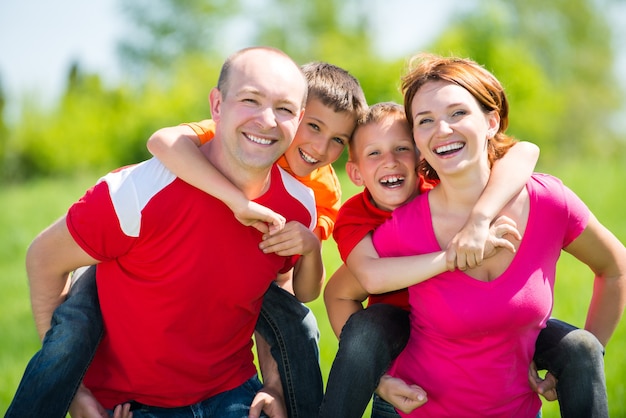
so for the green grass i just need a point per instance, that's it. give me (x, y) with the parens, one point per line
(29, 208)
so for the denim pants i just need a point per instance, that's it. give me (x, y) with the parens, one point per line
(234, 403)
(372, 338)
(54, 373)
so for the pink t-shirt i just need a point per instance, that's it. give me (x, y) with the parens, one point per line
(471, 341)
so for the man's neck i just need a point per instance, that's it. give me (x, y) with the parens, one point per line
(251, 181)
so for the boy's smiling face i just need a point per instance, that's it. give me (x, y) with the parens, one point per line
(385, 162)
(320, 139)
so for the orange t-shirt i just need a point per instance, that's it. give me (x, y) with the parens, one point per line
(323, 181)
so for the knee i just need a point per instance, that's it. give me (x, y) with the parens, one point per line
(582, 347)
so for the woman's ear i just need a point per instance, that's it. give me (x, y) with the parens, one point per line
(354, 173)
(493, 120)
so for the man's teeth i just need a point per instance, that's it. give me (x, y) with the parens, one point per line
(306, 157)
(258, 140)
(448, 148)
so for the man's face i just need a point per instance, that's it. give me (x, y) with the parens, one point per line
(258, 116)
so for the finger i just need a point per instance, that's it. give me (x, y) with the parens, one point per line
(504, 243)
(502, 230)
(262, 227)
(451, 259)
(461, 261)
(256, 407)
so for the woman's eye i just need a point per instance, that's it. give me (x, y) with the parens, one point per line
(339, 141)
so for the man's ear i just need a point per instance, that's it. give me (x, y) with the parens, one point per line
(354, 173)
(215, 101)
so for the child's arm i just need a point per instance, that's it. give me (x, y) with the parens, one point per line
(308, 273)
(343, 296)
(177, 148)
(385, 274)
(509, 176)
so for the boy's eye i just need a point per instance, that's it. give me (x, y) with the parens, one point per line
(314, 126)
(373, 153)
(339, 141)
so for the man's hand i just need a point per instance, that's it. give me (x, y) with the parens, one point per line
(293, 239)
(85, 405)
(545, 387)
(269, 402)
(402, 396)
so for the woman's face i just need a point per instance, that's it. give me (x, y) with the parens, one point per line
(450, 128)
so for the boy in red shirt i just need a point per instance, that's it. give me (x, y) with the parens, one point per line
(383, 158)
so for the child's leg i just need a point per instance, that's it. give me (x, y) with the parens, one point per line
(56, 370)
(576, 358)
(370, 340)
(290, 328)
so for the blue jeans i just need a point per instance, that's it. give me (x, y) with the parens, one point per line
(376, 335)
(234, 403)
(576, 358)
(56, 370)
(370, 340)
(290, 328)
(54, 373)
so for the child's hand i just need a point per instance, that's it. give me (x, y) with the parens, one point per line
(260, 217)
(85, 405)
(402, 396)
(467, 247)
(501, 227)
(293, 239)
(477, 241)
(545, 387)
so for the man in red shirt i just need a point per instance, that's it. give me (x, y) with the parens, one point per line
(180, 280)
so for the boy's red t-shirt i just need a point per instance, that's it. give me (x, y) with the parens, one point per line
(358, 217)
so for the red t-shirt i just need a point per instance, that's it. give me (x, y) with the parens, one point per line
(180, 283)
(358, 217)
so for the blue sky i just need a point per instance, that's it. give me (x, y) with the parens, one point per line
(40, 39)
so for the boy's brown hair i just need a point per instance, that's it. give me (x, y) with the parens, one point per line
(335, 88)
(375, 114)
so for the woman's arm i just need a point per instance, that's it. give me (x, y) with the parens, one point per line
(509, 176)
(606, 257)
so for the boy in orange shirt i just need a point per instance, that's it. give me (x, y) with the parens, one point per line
(334, 105)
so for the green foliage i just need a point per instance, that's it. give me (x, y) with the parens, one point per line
(556, 63)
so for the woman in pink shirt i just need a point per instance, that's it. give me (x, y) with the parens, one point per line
(473, 332)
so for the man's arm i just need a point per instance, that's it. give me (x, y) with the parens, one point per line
(177, 148)
(50, 259)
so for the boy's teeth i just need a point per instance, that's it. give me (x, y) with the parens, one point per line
(306, 157)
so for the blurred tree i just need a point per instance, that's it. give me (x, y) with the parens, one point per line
(556, 62)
